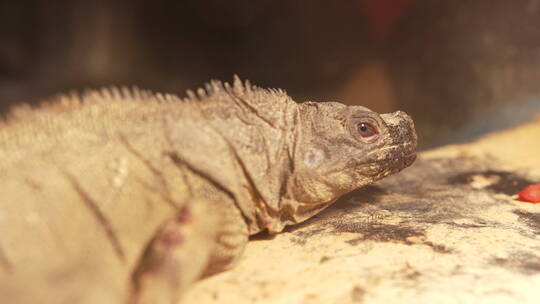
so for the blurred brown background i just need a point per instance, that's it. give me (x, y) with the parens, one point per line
(461, 68)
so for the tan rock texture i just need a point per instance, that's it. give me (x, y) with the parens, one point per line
(446, 230)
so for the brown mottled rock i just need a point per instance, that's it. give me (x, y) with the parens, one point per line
(446, 230)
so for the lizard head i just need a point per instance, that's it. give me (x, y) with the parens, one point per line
(342, 148)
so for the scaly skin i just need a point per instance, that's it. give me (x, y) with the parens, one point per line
(124, 196)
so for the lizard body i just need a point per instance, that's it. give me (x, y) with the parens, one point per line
(135, 195)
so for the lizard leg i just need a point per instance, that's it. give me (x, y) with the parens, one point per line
(174, 258)
(231, 240)
(199, 240)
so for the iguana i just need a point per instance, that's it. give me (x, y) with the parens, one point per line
(126, 196)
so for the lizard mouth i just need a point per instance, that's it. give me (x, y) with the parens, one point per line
(399, 162)
(396, 153)
(397, 157)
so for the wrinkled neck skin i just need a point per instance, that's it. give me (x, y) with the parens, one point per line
(291, 190)
(253, 137)
(302, 193)
(306, 194)
(299, 197)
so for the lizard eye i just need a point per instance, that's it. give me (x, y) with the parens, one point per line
(367, 131)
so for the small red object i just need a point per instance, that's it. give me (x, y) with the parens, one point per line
(530, 194)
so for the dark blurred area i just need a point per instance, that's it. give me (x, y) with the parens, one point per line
(460, 68)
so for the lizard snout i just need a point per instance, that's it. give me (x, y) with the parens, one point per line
(402, 135)
(401, 128)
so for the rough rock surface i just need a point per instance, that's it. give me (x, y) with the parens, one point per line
(447, 230)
